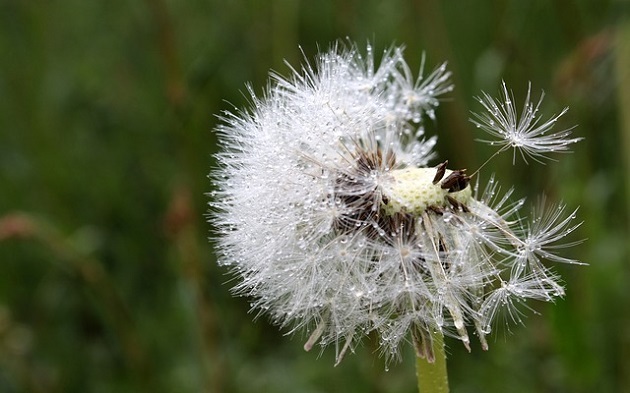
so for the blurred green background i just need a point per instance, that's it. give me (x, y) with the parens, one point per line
(107, 280)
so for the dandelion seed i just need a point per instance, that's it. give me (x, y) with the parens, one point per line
(526, 133)
(328, 211)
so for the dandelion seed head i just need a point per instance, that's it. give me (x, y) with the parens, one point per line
(335, 224)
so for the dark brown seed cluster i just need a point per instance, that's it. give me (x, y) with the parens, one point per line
(353, 190)
(368, 161)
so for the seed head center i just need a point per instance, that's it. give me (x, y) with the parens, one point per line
(414, 190)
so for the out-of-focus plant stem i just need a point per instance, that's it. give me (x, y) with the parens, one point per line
(182, 216)
(182, 228)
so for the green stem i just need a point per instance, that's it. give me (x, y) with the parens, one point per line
(432, 376)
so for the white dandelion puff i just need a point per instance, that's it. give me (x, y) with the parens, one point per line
(327, 211)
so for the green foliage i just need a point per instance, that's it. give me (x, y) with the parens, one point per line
(107, 280)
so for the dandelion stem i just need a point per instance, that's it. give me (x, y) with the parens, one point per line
(432, 376)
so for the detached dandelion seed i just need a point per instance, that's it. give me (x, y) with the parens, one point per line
(330, 213)
(527, 134)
